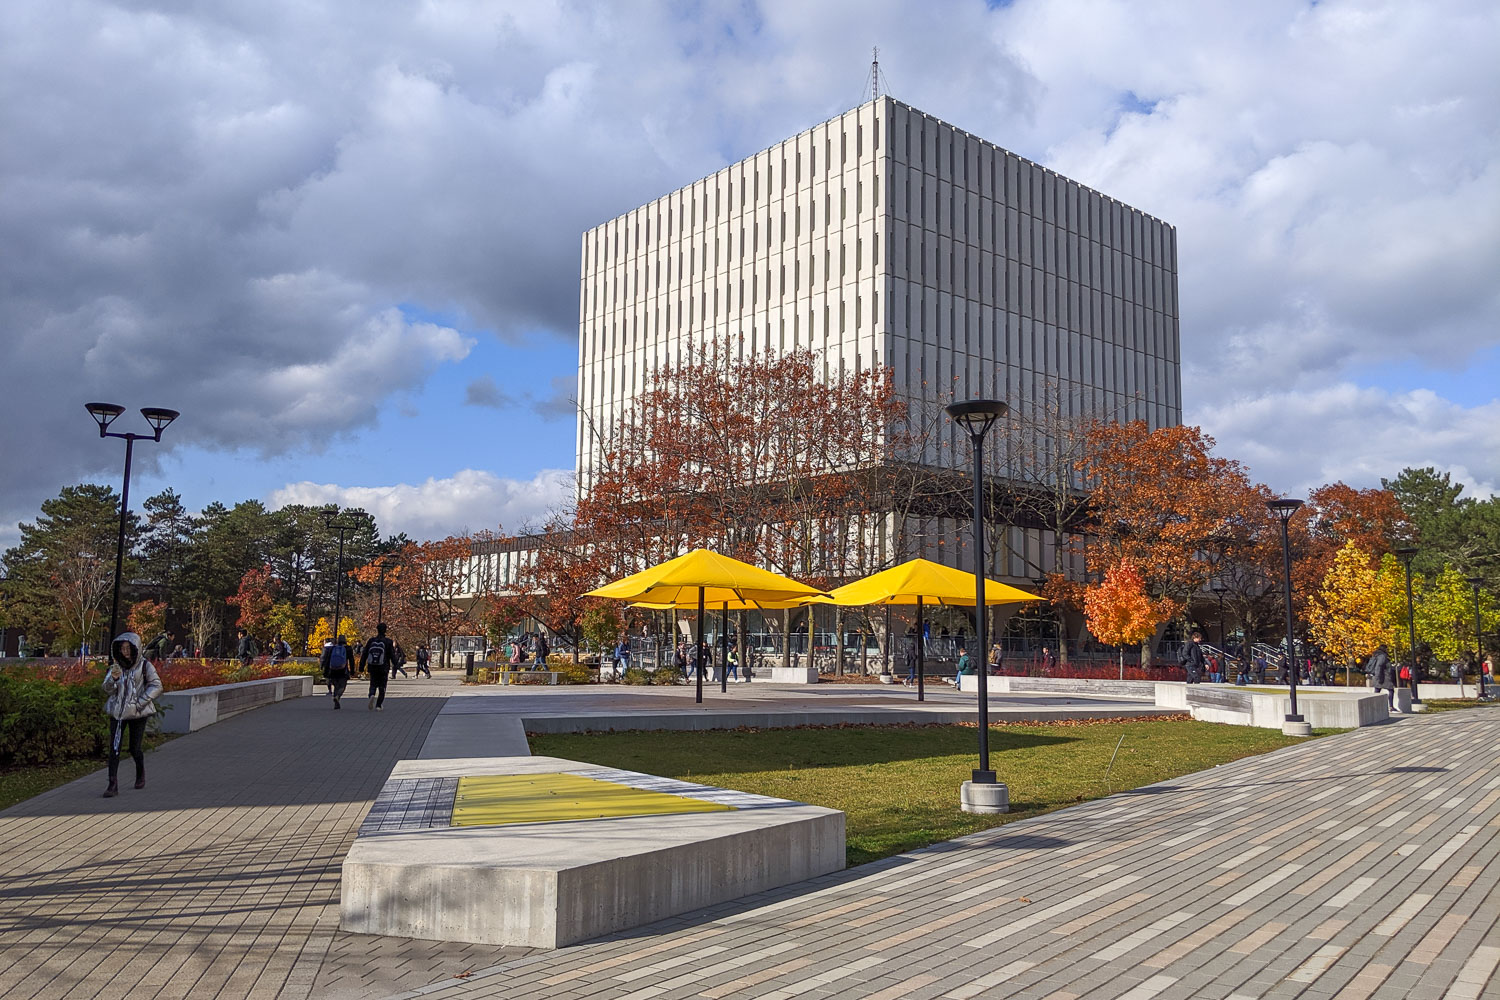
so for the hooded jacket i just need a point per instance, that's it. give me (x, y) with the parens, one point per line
(131, 694)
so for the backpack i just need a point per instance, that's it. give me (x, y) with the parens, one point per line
(375, 653)
(338, 659)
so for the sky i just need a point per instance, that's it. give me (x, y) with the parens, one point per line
(343, 238)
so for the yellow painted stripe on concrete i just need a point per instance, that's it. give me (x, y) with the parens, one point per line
(493, 800)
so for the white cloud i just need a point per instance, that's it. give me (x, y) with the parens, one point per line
(470, 500)
(1297, 440)
(228, 206)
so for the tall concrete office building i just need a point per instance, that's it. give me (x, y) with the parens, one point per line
(886, 236)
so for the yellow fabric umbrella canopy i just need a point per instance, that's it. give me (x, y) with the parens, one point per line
(678, 583)
(927, 581)
(700, 578)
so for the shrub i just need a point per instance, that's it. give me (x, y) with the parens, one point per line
(43, 721)
(572, 673)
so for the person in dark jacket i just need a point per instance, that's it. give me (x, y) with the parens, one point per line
(376, 659)
(336, 662)
(132, 684)
(1382, 673)
(1192, 659)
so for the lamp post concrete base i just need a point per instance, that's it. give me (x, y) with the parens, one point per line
(1295, 725)
(887, 678)
(987, 798)
(1418, 706)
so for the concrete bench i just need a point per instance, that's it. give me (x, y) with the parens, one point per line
(190, 710)
(509, 676)
(549, 883)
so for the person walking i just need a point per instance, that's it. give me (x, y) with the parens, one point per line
(398, 661)
(247, 649)
(540, 649)
(131, 683)
(159, 647)
(1192, 658)
(335, 664)
(376, 660)
(424, 660)
(909, 657)
(1382, 675)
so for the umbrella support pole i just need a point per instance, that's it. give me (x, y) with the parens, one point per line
(698, 672)
(921, 654)
(724, 651)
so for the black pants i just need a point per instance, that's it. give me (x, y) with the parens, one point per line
(337, 682)
(378, 678)
(137, 729)
(422, 668)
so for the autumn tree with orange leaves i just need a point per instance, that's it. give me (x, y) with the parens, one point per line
(426, 591)
(1118, 611)
(255, 598)
(1161, 501)
(765, 457)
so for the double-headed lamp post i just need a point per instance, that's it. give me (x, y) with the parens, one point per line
(104, 414)
(333, 522)
(1476, 582)
(1405, 555)
(1295, 724)
(981, 794)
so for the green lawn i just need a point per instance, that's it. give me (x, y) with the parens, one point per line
(898, 785)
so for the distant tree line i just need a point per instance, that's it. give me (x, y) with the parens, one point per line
(205, 575)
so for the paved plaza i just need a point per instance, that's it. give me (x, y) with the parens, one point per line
(1361, 865)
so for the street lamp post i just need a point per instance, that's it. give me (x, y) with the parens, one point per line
(982, 793)
(1220, 591)
(1405, 555)
(1295, 724)
(1475, 582)
(104, 414)
(332, 523)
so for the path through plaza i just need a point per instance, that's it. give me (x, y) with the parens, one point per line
(1361, 865)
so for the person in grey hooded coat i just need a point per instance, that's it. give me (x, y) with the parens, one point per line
(131, 684)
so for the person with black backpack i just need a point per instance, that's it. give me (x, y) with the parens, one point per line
(424, 660)
(377, 658)
(335, 664)
(398, 662)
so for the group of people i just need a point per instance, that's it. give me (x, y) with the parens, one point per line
(378, 658)
(528, 646)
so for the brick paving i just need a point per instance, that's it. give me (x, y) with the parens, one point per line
(1362, 865)
(221, 877)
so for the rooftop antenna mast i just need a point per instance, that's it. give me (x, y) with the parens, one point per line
(875, 76)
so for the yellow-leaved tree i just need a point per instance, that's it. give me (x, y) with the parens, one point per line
(1346, 615)
(1390, 588)
(1445, 615)
(323, 631)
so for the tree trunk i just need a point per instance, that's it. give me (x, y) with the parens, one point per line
(786, 637)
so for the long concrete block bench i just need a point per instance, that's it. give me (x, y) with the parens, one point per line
(545, 881)
(190, 710)
(1144, 690)
(1323, 708)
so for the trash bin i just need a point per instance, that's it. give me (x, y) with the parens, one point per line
(468, 664)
